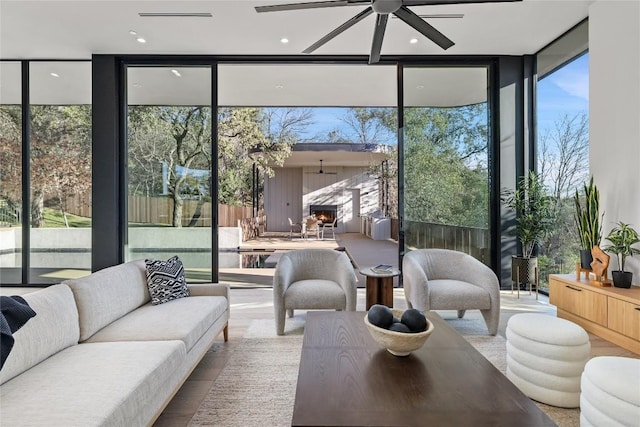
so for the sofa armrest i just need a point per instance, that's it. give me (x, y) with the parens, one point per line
(209, 289)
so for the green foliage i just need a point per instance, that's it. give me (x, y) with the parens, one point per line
(622, 239)
(587, 217)
(534, 213)
(446, 176)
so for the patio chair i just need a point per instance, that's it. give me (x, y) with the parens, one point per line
(441, 279)
(293, 226)
(312, 279)
(311, 226)
(331, 227)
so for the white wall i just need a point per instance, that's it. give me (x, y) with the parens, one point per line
(614, 112)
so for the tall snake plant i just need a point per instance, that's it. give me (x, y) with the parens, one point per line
(587, 216)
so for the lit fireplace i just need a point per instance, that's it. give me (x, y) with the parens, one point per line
(325, 213)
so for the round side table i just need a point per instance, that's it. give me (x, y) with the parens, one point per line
(379, 286)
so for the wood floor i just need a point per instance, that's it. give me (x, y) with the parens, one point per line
(250, 304)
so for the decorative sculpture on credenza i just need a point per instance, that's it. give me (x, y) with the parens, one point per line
(599, 267)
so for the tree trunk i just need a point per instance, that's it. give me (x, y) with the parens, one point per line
(37, 210)
(178, 204)
(197, 214)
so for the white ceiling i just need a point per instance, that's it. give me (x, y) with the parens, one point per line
(78, 29)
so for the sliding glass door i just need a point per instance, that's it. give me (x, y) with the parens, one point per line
(446, 160)
(169, 166)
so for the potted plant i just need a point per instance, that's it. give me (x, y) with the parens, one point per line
(588, 221)
(533, 216)
(622, 239)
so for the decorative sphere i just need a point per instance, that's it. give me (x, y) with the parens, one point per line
(399, 327)
(380, 315)
(414, 319)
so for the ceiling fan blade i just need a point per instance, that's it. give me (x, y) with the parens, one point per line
(359, 17)
(423, 27)
(378, 36)
(439, 2)
(299, 6)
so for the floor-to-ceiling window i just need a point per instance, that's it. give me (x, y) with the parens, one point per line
(563, 143)
(10, 172)
(446, 160)
(59, 173)
(169, 158)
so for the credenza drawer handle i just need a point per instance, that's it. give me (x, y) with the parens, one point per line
(573, 289)
(637, 308)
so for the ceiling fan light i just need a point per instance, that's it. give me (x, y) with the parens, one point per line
(385, 7)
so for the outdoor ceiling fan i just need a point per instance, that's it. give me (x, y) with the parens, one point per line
(382, 8)
(322, 171)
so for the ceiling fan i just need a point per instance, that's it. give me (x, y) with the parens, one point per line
(382, 8)
(322, 171)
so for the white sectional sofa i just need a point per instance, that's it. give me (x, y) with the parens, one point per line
(97, 353)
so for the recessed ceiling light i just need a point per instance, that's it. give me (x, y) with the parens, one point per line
(420, 87)
(133, 33)
(279, 86)
(141, 40)
(413, 41)
(284, 40)
(176, 73)
(54, 75)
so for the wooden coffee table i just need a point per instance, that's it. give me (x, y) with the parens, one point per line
(347, 379)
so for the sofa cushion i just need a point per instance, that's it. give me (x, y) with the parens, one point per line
(165, 280)
(102, 384)
(109, 294)
(185, 319)
(54, 328)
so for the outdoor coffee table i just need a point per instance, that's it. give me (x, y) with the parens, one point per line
(347, 379)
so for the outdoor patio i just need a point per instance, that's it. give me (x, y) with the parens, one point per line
(362, 250)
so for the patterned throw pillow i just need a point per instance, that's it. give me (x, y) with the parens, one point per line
(166, 280)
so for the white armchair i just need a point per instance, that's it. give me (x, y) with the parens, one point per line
(312, 279)
(441, 279)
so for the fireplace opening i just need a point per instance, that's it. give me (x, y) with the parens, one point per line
(325, 213)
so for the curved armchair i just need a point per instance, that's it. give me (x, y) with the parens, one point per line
(312, 279)
(441, 279)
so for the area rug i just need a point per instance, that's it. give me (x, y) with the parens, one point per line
(257, 386)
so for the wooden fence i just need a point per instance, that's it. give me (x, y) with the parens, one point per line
(159, 210)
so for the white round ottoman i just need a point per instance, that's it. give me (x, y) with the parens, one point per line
(545, 358)
(610, 392)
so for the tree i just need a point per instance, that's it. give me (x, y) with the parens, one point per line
(60, 156)
(178, 140)
(446, 173)
(368, 125)
(563, 165)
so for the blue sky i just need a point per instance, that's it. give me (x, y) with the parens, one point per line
(565, 91)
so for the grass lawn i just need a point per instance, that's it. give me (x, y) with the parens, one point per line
(53, 219)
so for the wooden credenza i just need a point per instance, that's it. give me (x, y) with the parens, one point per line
(609, 312)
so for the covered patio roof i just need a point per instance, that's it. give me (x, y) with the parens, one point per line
(309, 154)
